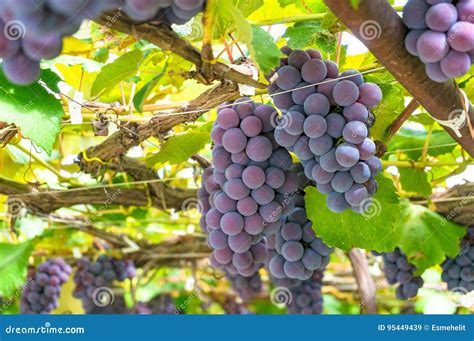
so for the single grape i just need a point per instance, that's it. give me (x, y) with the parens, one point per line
(298, 58)
(411, 40)
(432, 46)
(461, 36)
(335, 125)
(356, 112)
(317, 104)
(370, 94)
(360, 172)
(314, 71)
(414, 14)
(234, 140)
(253, 177)
(259, 148)
(355, 132)
(321, 145)
(345, 93)
(346, 154)
(288, 77)
(441, 17)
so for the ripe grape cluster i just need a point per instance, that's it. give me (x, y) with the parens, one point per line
(458, 272)
(298, 253)
(250, 181)
(441, 35)
(327, 126)
(32, 30)
(95, 280)
(41, 294)
(398, 270)
(160, 305)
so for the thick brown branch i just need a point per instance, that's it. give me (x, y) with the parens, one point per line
(441, 100)
(457, 204)
(165, 38)
(117, 144)
(365, 282)
(45, 201)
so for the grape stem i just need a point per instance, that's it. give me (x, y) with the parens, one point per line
(421, 164)
(397, 124)
(299, 18)
(208, 20)
(42, 162)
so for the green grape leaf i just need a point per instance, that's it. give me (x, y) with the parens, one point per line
(407, 138)
(230, 17)
(415, 180)
(375, 230)
(33, 109)
(391, 106)
(122, 68)
(264, 50)
(426, 237)
(13, 266)
(179, 148)
(305, 34)
(144, 92)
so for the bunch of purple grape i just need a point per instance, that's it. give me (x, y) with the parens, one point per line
(32, 30)
(442, 36)
(398, 270)
(42, 292)
(326, 126)
(250, 183)
(95, 281)
(160, 305)
(246, 288)
(458, 272)
(298, 253)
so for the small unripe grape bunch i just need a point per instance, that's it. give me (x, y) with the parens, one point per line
(458, 272)
(41, 294)
(325, 122)
(398, 270)
(441, 36)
